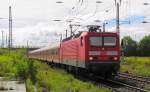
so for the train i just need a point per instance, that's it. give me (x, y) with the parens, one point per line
(90, 51)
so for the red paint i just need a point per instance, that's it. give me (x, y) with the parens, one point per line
(73, 50)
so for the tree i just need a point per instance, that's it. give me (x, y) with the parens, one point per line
(129, 46)
(144, 46)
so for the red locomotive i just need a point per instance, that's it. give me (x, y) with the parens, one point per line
(93, 51)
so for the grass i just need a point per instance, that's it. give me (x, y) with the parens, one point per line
(136, 65)
(55, 80)
(40, 76)
(29, 85)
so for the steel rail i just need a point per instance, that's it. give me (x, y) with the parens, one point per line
(124, 86)
(128, 87)
(135, 77)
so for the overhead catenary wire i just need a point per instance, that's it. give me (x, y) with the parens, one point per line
(80, 7)
(83, 7)
(127, 11)
(77, 5)
(96, 10)
(86, 5)
(78, 11)
(81, 2)
(126, 14)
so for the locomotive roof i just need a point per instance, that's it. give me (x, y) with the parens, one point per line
(84, 33)
(44, 48)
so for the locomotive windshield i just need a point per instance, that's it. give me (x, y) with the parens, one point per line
(102, 41)
(96, 41)
(109, 41)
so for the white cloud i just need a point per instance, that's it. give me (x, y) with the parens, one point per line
(38, 35)
(33, 18)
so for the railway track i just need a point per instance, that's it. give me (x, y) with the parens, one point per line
(114, 84)
(139, 81)
(124, 87)
(117, 86)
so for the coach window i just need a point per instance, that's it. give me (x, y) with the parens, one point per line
(81, 41)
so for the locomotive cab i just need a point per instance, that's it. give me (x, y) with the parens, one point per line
(104, 47)
(102, 52)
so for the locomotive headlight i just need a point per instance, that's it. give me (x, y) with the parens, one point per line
(90, 58)
(115, 58)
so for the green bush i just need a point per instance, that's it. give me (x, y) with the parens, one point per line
(22, 70)
(32, 70)
(13, 63)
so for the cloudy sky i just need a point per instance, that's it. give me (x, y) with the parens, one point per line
(33, 19)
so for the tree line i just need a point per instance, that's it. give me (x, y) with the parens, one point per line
(134, 48)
